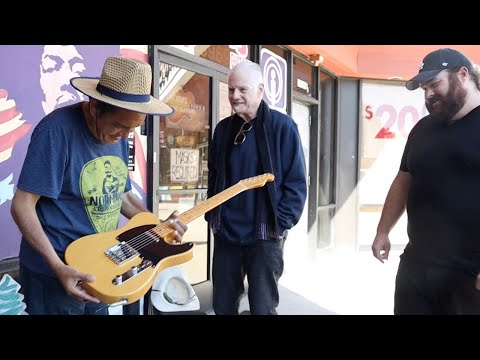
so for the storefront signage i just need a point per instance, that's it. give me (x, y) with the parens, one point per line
(389, 113)
(274, 70)
(238, 55)
(184, 165)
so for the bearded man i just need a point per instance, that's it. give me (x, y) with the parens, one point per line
(438, 185)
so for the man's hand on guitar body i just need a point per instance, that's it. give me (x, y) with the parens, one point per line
(179, 226)
(72, 280)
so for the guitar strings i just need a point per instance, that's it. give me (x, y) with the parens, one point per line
(150, 236)
(146, 238)
(160, 231)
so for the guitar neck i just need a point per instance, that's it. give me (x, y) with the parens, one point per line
(207, 205)
(204, 207)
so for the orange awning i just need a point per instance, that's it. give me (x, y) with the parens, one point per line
(377, 61)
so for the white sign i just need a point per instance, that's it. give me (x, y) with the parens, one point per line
(389, 113)
(184, 165)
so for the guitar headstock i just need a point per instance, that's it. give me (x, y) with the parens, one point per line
(257, 181)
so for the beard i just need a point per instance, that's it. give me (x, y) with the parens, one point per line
(444, 108)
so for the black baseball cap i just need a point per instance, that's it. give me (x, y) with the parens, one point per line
(435, 62)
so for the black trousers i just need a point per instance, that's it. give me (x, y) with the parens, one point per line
(426, 289)
(261, 263)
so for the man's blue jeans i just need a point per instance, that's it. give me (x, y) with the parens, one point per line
(261, 263)
(44, 295)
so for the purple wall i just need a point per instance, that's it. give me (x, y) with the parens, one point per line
(21, 68)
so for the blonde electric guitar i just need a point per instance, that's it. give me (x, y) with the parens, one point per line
(126, 261)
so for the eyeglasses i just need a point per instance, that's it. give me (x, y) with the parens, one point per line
(240, 137)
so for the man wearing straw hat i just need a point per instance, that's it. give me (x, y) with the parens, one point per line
(59, 195)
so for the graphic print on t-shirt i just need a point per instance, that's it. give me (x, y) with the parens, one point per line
(102, 183)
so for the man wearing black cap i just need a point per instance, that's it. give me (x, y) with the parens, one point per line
(438, 184)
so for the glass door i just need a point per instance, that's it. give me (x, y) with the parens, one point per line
(183, 155)
(198, 94)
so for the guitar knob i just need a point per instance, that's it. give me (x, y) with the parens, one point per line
(117, 280)
(134, 270)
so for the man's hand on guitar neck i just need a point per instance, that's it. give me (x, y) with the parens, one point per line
(179, 226)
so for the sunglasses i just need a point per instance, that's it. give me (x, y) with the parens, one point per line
(240, 137)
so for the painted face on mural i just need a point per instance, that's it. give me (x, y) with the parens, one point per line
(34, 80)
(244, 94)
(58, 65)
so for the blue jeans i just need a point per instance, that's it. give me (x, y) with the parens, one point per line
(44, 295)
(261, 263)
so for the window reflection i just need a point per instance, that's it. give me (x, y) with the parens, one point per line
(184, 134)
(183, 156)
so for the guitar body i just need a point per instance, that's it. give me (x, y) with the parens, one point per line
(126, 261)
(88, 254)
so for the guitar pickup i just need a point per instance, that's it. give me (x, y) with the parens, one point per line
(121, 253)
(135, 270)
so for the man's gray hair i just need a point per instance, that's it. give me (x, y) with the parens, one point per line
(252, 70)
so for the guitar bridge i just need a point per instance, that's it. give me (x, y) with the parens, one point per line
(135, 270)
(121, 253)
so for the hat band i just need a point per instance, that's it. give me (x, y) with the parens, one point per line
(122, 96)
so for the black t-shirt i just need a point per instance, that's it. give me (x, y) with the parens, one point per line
(443, 204)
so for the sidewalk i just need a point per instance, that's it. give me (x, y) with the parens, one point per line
(292, 303)
(337, 282)
(342, 282)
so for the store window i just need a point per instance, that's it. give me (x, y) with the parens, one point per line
(224, 107)
(183, 156)
(389, 111)
(184, 134)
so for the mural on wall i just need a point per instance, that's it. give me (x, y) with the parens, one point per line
(34, 80)
(12, 129)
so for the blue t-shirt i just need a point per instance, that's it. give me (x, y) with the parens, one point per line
(80, 179)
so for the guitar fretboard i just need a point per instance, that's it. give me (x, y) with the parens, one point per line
(164, 229)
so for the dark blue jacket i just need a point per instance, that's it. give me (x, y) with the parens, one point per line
(280, 152)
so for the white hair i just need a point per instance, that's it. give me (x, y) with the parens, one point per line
(252, 70)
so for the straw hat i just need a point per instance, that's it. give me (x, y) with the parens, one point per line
(125, 83)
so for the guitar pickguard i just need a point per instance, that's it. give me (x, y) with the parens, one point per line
(158, 249)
